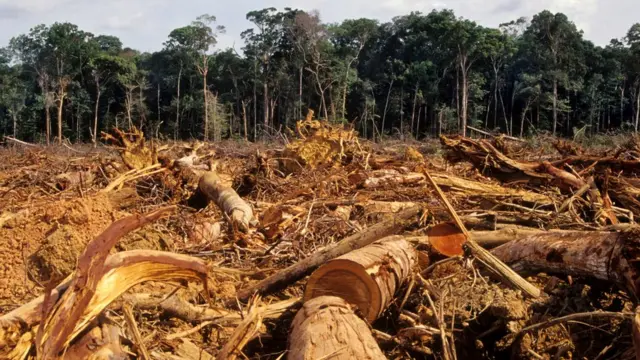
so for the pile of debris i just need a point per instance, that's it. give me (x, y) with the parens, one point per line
(328, 248)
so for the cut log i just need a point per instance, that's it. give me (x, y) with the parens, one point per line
(602, 255)
(353, 242)
(367, 278)
(327, 328)
(227, 199)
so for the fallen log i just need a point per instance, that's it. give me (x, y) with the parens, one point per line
(239, 212)
(367, 278)
(327, 328)
(609, 256)
(353, 242)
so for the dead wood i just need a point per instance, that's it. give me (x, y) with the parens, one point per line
(93, 286)
(245, 331)
(602, 255)
(227, 199)
(506, 273)
(133, 150)
(327, 328)
(353, 242)
(484, 156)
(133, 328)
(367, 278)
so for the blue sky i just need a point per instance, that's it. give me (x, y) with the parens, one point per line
(145, 24)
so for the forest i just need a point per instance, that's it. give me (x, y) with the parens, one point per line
(417, 76)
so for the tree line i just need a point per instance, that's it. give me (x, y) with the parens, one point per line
(416, 76)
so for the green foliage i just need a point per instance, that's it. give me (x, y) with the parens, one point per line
(417, 75)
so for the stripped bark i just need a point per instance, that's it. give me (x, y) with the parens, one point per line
(239, 212)
(367, 278)
(327, 328)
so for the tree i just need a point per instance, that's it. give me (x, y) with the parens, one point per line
(470, 40)
(554, 41)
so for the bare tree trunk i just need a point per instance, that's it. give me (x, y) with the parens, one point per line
(458, 94)
(205, 93)
(255, 101)
(61, 97)
(265, 89)
(465, 95)
(95, 117)
(299, 107)
(386, 107)
(47, 111)
(158, 103)
(15, 123)
(214, 119)
(177, 131)
(413, 107)
(524, 115)
(495, 98)
(555, 105)
(622, 104)
(418, 122)
(129, 105)
(244, 120)
(504, 112)
(637, 107)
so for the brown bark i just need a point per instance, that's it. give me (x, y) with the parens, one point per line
(227, 199)
(606, 256)
(348, 244)
(327, 328)
(62, 93)
(367, 278)
(244, 120)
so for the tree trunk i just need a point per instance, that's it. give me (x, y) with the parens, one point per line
(15, 123)
(413, 107)
(61, 96)
(555, 105)
(158, 103)
(386, 107)
(495, 98)
(47, 111)
(458, 94)
(265, 89)
(238, 211)
(637, 107)
(95, 117)
(524, 115)
(327, 328)
(418, 122)
(205, 93)
(244, 120)
(358, 277)
(255, 101)
(465, 95)
(299, 107)
(622, 105)
(504, 113)
(177, 131)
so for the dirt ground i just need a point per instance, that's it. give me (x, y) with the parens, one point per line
(54, 202)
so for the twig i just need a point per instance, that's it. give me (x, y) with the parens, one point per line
(186, 333)
(498, 266)
(577, 316)
(131, 323)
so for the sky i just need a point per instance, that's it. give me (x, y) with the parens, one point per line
(145, 24)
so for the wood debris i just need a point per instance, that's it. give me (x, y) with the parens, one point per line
(331, 247)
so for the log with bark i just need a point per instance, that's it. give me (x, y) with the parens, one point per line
(353, 242)
(327, 328)
(609, 256)
(239, 212)
(367, 278)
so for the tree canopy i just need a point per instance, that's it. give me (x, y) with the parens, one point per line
(416, 76)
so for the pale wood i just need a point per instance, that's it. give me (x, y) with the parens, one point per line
(227, 199)
(304, 267)
(327, 328)
(367, 278)
(505, 272)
